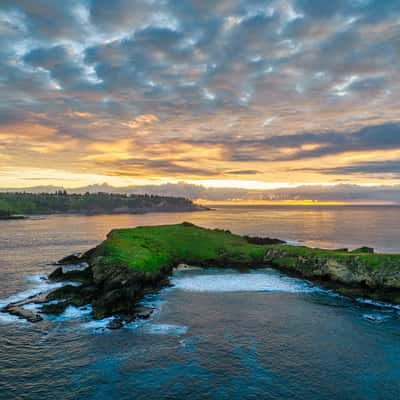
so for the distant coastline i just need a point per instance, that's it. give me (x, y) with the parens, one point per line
(15, 206)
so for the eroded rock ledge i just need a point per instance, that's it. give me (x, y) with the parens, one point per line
(133, 262)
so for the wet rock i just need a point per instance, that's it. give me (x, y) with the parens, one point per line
(143, 312)
(55, 308)
(115, 323)
(71, 259)
(21, 312)
(117, 301)
(76, 275)
(56, 275)
(64, 292)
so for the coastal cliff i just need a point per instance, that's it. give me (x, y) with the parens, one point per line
(359, 273)
(133, 262)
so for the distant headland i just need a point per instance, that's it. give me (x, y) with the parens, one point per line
(18, 205)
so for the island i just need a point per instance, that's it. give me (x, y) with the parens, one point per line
(133, 262)
(17, 205)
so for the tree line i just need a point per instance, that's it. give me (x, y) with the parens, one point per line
(90, 203)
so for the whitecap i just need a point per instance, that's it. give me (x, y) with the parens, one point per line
(165, 329)
(97, 325)
(255, 281)
(375, 318)
(379, 304)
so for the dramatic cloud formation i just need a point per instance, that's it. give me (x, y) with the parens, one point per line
(224, 93)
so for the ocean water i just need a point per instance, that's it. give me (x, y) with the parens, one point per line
(216, 334)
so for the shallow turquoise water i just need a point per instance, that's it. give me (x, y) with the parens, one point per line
(216, 334)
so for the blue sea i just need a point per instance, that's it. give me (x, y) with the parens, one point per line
(217, 333)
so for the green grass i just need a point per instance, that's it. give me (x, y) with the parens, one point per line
(353, 260)
(150, 248)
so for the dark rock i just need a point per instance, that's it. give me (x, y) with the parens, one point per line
(117, 301)
(64, 292)
(22, 313)
(143, 312)
(115, 323)
(56, 275)
(55, 308)
(76, 275)
(262, 240)
(71, 259)
(17, 308)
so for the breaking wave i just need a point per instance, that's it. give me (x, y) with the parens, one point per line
(266, 280)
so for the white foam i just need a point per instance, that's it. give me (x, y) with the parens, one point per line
(6, 319)
(97, 325)
(70, 313)
(293, 242)
(75, 267)
(37, 285)
(375, 318)
(165, 329)
(260, 281)
(379, 304)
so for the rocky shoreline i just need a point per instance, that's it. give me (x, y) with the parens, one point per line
(113, 288)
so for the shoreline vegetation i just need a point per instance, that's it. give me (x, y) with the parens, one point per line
(20, 205)
(133, 262)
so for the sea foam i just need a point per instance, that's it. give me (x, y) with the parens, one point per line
(165, 329)
(255, 281)
(37, 285)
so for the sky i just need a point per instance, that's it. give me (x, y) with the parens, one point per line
(234, 93)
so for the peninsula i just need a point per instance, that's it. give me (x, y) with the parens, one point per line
(133, 262)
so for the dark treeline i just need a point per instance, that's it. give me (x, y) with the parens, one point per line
(89, 203)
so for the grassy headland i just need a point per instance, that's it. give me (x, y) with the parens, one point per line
(147, 249)
(132, 262)
(151, 247)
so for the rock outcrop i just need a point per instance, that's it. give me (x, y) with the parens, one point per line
(352, 275)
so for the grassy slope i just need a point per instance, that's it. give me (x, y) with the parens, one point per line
(354, 260)
(149, 248)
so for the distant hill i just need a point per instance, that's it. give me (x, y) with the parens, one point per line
(90, 203)
(340, 192)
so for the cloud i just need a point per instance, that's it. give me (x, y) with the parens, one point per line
(243, 172)
(47, 19)
(390, 168)
(255, 86)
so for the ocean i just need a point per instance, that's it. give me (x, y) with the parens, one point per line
(217, 333)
